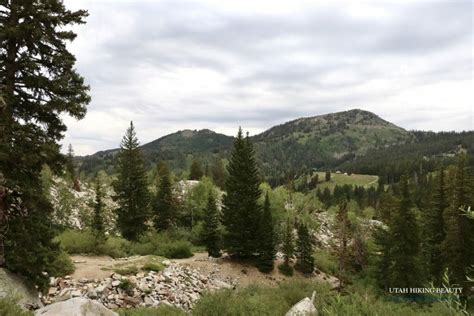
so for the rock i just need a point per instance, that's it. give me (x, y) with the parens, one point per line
(166, 262)
(222, 284)
(92, 294)
(305, 307)
(131, 300)
(78, 306)
(76, 293)
(11, 284)
(115, 283)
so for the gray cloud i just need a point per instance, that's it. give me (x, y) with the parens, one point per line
(170, 65)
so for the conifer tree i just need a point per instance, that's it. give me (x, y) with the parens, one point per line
(211, 235)
(288, 245)
(458, 245)
(266, 251)
(131, 188)
(343, 236)
(196, 172)
(433, 229)
(328, 176)
(71, 169)
(218, 173)
(164, 206)
(405, 268)
(38, 84)
(98, 218)
(304, 250)
(241, 211)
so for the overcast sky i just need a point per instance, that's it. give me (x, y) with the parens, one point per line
(173, 65)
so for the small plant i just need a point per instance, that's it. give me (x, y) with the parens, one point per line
(149, 266)
(285, 269)
(126, 285)
(127, 270)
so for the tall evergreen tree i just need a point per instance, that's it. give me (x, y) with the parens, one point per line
(211, 235)
(38, 84)
(433, 229)
(343, 236)
(241, 211)
(164, 206)
(266, 250)
(288, 244)
(304, 250)
(458, 245)
(131, 188)
(98, 218)
(405, 268)
(71, 169)
(218, 173)
(196, 171)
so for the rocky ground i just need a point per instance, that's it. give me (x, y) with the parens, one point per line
(181, 283)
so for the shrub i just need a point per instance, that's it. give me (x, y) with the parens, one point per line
(75, 241)
(115, 247)
(175, 250)
(126, 285)
(127, 270)
(149, 266)
(285, 269)
(62, 265)
(325, 262)
(9, 307)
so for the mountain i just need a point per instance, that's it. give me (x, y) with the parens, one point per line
(324, 141)
(176, 149)
(348, 140)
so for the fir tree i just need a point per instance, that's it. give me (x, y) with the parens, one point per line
(218, 173)
(327, 176)
(196, 172)
(164, 206)
(458, 245)
(241, 211)
(71, 169)
(131, 188)
(266, 249)
(343, 236)
(405, 269)
(288, 244)
(98, 217)
(211, 235)
(433, 229)
(304, 250)
(38, 85)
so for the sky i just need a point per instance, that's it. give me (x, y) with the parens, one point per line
(172, 65)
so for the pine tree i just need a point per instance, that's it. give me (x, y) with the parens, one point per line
(457, 246)
(343, 236)
(38, 85)
(211, 235)
(241, 211)
(71, 169)
(98, 218)
(131, 188)
(328, 176)
(218, 173)
(304, 250)
(288, 244)
(405, 268)
(266, 250)
(164, 206)
(196, 172)
(433, 229)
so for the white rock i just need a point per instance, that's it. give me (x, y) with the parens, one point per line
(78, 306)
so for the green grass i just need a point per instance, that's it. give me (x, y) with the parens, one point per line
(9, 307)
(325, 261)
(342, 179)
(162, 310)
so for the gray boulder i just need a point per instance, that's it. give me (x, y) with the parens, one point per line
(78, 306)
(305, 307)
(12, 285)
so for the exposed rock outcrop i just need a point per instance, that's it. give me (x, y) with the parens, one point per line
(13, 285)
(78, 306)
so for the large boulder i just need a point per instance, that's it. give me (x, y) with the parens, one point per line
(13, 286)
(305, 307)
(78, 306)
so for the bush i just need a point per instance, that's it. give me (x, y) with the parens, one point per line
(149, 266)
(115, 247)
(325, 262)
(62, 265)
(175, 250)
(76, 241)
(9, 307)
(285, 269)
(126, 285)
(162, 310)
(127, 270)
